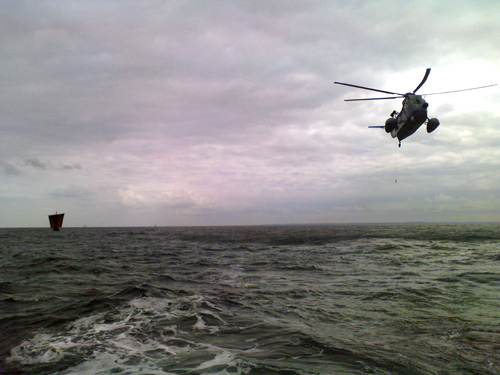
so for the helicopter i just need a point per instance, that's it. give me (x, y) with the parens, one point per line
(413, 113)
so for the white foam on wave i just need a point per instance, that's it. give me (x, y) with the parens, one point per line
(202, 326)
(146, 336)
(223, 358)
(42, 348)
(104, 363)
(224, 363)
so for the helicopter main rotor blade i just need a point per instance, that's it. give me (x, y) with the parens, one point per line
(427, 72)
(368, 88)
(388, 97)
(449, 92)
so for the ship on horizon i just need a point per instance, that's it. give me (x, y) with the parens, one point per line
(56, 221)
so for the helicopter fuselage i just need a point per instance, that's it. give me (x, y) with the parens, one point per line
(412, 116)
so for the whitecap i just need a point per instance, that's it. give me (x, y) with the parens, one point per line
(224, 358)
(145, 334)
(40, 349)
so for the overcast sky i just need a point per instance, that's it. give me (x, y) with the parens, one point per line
(139, 113)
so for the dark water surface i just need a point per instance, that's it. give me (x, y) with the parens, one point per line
(332, 299)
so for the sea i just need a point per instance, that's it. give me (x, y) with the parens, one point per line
(285, 299)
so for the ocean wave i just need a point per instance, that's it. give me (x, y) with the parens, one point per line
(356, 299)
(154, 331)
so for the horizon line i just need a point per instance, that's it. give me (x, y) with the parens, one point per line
(265, 225)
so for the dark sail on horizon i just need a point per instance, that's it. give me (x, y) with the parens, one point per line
(56, 221)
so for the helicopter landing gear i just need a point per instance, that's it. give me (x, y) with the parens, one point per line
(399, 144)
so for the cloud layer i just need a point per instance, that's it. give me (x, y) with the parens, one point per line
(209, 113)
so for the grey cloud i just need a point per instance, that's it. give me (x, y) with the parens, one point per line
(10, 170)
(36, 163)
(72, 166)
(72, 192)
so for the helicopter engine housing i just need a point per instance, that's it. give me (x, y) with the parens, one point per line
(432, 125)
(390, 124)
